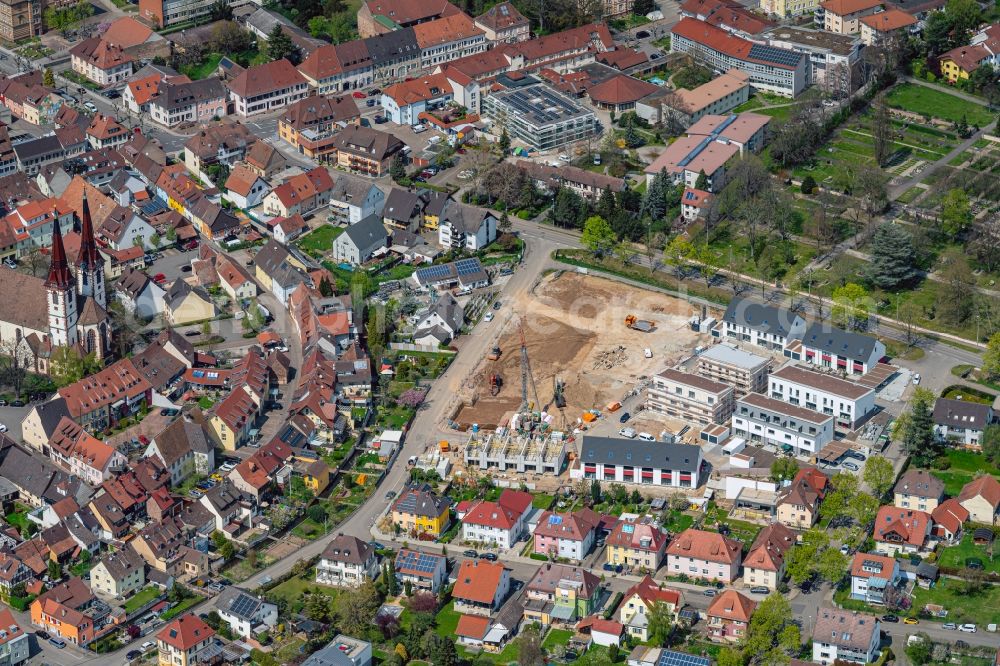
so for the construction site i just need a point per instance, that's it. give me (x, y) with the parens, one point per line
(569, 348)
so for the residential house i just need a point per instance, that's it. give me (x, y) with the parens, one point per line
(347, 561)
(178, 101)
(361, 241)
(106, 132)
(13, 573)
(404, 102)
(600, 631)
(720, 95)
(278, 270)
(311, 123)
(342, 651)
(844, 16)
(423, 571)
(960, 62)
(100, 400)
(877, 28)
(226, 504)
(759, 418)
(265, 160)
(872, 575)
(705, 555)
(503, 24)
(566, 536)
(100, 61)
(334, 68)
(745, 372)
(119, 574)
(160, 544)
(378, 17)
(15, 646)
(287, 229)
(419, 511)
(637, 543)
(767, 326)
(67, 611)
(246, 613)
(185, 447)
(690, 397)
(695, 203)
(851, 404)
(638, 603)
(138, 294)
(235, 280)
(262, 88)
(981, 498)
(961, 420)
(903, 531)
(442, 321)
(616, 459)
(468, 227)
(764, 564)
(843, 635)
(357, 198)
(245, 188)
(501, 523)
(186, 641)
(448, 38)
(729, 616)
(798, 503)
(80, 453)
(187, 305)
(585, 183)
(561, 594)
(256, 475)
(480, 587)
(301, 194)
(224, 143)
(918, 489)
(366, 151)
(949, 517)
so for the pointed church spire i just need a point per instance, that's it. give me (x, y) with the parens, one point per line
(88, 248)
(59, 277)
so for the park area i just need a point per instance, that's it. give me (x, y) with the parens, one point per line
(577, 331)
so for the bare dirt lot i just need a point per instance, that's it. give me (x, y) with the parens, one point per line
(574, 329)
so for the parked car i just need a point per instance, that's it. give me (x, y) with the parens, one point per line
(10, 262)
(892, 619)
(133, 654)
(186, 268)
(627, 432)
(391, 494)
(370, 102)
(624, 417)
(17, 403)
(488, 317)
(90, 106)
(968, 628)
(380, 119)
(3, 427)
(760, 589)
(159, 277)
(646, 437)
(43, 635)
(357, 94)
(374, 92)
(910, 620)
(112, 94)
(496, 304)
(266, 580)
(418, 128)
(710, 592)
(492, 557)
(851, 466)
(169, 411)
(58, 642)
(950, 626)
(471, 553)
(191, 334)
(916, 378)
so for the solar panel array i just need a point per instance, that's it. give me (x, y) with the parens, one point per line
(775, 55)
(673, 658)
(243, 605)
(541, 103)
(407, 503)
(468, 266)
(432, 273)
(410, 560)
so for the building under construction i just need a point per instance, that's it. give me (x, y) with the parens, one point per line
(544, 454)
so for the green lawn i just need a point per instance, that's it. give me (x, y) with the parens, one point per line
(447, 620)
(141, 598)
(557, 637)
(677, 521)
(294, 589)
(981, 608)
(180, 608)
(542, 501)
(18, 519)
(937, 104)
(204, 69)
(319, 242)
(964, 466)
(956, 556)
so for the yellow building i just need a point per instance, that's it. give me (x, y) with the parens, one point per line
(960, 62)
(185, 304)
(418, 510)
(638, 603)
(233, 419)
(182, 641)
(637, 543)
(784, 8)
(317, 477)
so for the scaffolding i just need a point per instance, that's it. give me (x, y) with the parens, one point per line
(517, 452)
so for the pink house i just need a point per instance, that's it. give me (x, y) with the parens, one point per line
(569, 535)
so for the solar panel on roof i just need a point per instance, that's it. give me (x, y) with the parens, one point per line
(775, 55)
(673, 658)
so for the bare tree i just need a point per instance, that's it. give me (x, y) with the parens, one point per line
(34, 261)
(13, 367)
(883, 134)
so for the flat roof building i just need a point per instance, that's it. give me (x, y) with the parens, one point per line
(759, 418)
(690, 397)
(539, 116)
(850, 404)
(745, 372)
(832, 57)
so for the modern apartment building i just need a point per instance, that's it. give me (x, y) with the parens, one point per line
(163, 13)
(690, 397)
(615, 459)
(540, 116)
(763, 325)
(834, 348)
(745, 372)
(844, 16)
(850, 404)
(761, 419)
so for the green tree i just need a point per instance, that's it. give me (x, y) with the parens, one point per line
(643, 7)
(48, 78)
(879, 475)
(863, 508)
(800, 563)
(919, 652)
(772, 635)
(504, 142)
(356, 609)
(595, 491)
(991, 357)
(702, 182)
(990, 441)
(851, 307)
(317, 607)
(391, 582)
(660, 624)
(808, 185)
(279, 44)
(228, 550)
(567, 209)
(832, 565)
(171, 234)
(784, 469)
(956, 212)
(964, 16)
(597, 236)
(955, 302)
(837, 502)
(67, 365)
(55, 570)
(397, 170)
(896, 264)
(915, 428)
(154, 240)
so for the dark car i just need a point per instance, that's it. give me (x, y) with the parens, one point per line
(44, 635)
(135, 654)
(169, 411)
(58, 642)
(642, 34)
(374, 92)
(380, 119)
(191, 334)
(17, 403)
(492, 557)
(112, 94)
(370, 102)
(186, 268)
(624, 417)
(471, 553)
(890, 618)
(496, 305)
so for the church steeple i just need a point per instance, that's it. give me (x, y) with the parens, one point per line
(59, 275)
(90, 268)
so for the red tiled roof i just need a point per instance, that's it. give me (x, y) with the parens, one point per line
(101, 54)
(845, 7)
(452, 28)
(731, 605)
(950, 515)
(717, 39)
(472, 626)
(185, 632)
(621, 89)
(266, 78)
(650, 592)
(145, 88)
(911, 526)
(419, 89)
(858, 565)
(986, 487)
(478, 580)
(707, 546)
(889, 20)
(104, 388)
(126, 32)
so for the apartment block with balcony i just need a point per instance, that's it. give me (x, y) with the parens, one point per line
(745, 372)
(366, 151)
(690, 397)
(347, 561)
(761, 419)
(850, 404)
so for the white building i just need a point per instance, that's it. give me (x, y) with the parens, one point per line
(690, 397)
(347, 561)
(745, 372)
(845, 636)
(267, 87)
(468, 227)
(761, 419)
(246, 614)
(762, 325)
(358, 198)
(501, 523)
(615, 459)
(961, 420)
(850, 404)
(837, 349)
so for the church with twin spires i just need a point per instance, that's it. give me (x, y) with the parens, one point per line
(63, 310)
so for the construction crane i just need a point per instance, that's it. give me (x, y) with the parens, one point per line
(526, 375)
